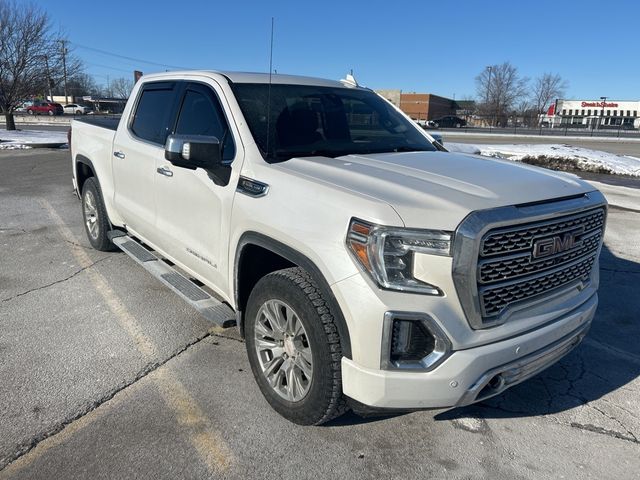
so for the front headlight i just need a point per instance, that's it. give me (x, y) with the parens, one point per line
(387, 253)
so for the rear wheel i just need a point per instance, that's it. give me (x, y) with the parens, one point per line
(294, 347)
(96, 222)
(458, 125)
(78, 112)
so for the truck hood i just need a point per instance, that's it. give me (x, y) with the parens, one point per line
(437, 189)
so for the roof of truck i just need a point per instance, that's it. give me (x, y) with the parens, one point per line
(250, 77)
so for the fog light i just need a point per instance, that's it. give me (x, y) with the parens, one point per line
(412, 341)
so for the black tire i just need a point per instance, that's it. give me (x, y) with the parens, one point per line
(30, 112)
(78, 112)
(51, 113)
(458, 125)
(93, 205)
(324, 399)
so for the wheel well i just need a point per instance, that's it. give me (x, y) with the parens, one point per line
(258, 255)
(254, 263)
(83, 171)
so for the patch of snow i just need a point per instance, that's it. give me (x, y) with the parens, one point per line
(18, 139)
(559, 157)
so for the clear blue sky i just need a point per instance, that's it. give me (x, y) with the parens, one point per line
(424, 46)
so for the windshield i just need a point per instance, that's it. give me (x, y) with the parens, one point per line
(329, 121)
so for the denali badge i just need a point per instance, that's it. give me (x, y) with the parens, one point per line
(560, 243)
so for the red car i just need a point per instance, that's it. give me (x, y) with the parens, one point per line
(39, 108)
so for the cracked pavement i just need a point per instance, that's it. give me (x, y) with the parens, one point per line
(80, 398)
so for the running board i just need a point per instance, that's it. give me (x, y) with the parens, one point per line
(209, 307)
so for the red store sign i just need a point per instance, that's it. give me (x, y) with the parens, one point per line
(600, 104)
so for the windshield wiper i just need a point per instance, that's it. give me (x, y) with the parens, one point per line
(308, 153)
(405, 148)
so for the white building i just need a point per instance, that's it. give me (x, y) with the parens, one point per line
(594, 114)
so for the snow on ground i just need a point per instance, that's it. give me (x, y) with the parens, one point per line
(557, 157)
(17, 139)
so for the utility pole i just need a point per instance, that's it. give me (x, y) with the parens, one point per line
(46, 63)
(604, 101)
(64, 69)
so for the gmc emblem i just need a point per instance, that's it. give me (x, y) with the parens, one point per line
(557, 244)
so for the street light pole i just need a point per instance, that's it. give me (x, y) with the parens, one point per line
(490, 68)
(604, 100)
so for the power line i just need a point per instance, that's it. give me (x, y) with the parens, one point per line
(108, 67)
(104, 52)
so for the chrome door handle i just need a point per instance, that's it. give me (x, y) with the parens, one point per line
(118, 154)
(164, 171)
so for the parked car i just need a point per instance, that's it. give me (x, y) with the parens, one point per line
(75, 109)
(365, 265)
(40, 107)
(449, 121)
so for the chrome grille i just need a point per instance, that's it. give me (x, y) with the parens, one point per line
(511, 240)
(510, 258)
(495, 300)
(491, 271)
(508, 272)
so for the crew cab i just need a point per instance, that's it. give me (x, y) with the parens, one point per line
(365, 266)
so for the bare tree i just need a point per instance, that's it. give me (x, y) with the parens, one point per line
(30, 56)
(500, 87)
(83, 84)
(122, 87)
(546, 88)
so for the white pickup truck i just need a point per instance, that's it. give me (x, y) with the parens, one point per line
(365, 266)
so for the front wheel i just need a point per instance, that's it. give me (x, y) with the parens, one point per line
(51, 112)
(96, 222)
(30, 112)
(294, 347)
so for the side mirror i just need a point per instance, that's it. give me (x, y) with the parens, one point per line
(193, 151)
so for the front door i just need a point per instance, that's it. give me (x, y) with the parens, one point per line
(193, 212)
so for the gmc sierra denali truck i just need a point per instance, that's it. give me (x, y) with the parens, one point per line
(365, 265)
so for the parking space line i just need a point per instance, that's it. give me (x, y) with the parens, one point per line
(204, 438)
(143, 343)
(208, 443)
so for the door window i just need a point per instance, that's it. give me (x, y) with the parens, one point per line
(201, 114)
(153, 113)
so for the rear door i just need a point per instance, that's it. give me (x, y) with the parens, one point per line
(193, 210)
(137, 146)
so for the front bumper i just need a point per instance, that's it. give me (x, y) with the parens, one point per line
(473, 374)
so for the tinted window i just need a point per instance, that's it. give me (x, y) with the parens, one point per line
(152, 117)
(201, 114)
(324, 121)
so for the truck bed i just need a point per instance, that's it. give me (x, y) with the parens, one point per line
(110, 123)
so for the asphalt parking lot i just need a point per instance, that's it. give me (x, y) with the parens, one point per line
(107, 374)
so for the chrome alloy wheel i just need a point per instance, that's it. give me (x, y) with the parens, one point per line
(91, 214)
(283, 350)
